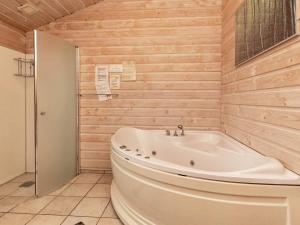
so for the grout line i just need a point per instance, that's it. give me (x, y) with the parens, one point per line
(78, 202)
(101, 175)
(109, 203)
(35, 215)
(11, 180)
(54, 197)
(10, 193)
(21, 213)
(27, 198)
(77, 196)
(104, 210)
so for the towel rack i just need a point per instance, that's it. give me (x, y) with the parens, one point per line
(108, 95)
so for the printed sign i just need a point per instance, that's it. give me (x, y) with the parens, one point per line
(102, 82)
(115, 68)
(129, 71)
(115, 81)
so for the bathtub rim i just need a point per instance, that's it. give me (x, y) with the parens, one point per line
(231, 177)
(189, 182)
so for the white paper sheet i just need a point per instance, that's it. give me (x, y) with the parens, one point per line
(115, 68)
(102, 82)
(115, 80)
(129, 71)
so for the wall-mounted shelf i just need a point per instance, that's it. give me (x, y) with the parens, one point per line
(25, 67)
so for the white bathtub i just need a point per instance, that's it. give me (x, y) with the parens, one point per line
(200, 178)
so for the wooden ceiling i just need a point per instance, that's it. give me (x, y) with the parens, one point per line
(49, 11)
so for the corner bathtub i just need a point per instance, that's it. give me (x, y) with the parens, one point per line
(202, 178)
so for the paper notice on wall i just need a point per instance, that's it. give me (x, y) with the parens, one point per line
(115, 81)
(129, 71)
(102, 82)
(115, 68)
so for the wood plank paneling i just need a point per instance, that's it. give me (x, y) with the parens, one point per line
(12, 37)
(48, 11)
(177, 49)
(260, 99)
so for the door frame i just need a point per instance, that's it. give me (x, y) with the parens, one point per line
(78, 109)
(77, 79)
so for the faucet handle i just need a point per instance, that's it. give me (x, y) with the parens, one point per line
(168, 132)
(175, 133)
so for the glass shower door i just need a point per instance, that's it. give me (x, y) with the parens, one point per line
(56, 112)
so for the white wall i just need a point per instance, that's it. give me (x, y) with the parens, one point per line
(12, 117)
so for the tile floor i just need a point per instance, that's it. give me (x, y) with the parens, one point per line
(85, 199)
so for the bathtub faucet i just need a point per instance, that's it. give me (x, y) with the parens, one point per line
(180, 127)
(168, 132)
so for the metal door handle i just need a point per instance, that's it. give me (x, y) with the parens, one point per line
(43, 113)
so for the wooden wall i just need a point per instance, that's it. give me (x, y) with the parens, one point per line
(261, 99)
(11, 37)
(176, 45)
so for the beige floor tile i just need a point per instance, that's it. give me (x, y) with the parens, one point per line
(110, 212)
(15, 219)
(8, 188)
(10, 202)
(24, 191)
(33, 205)
(71, 220)
(77, 190)
(109, 221)
(106, 179)
(88, 178)
(93, 207)
(73, 180)
(100, 190)
(24, 178)
(61, 205)
(46, 220)
(59, 191)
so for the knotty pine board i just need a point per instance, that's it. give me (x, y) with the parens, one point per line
(177, 49)
(48, 11)
(12, 37)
